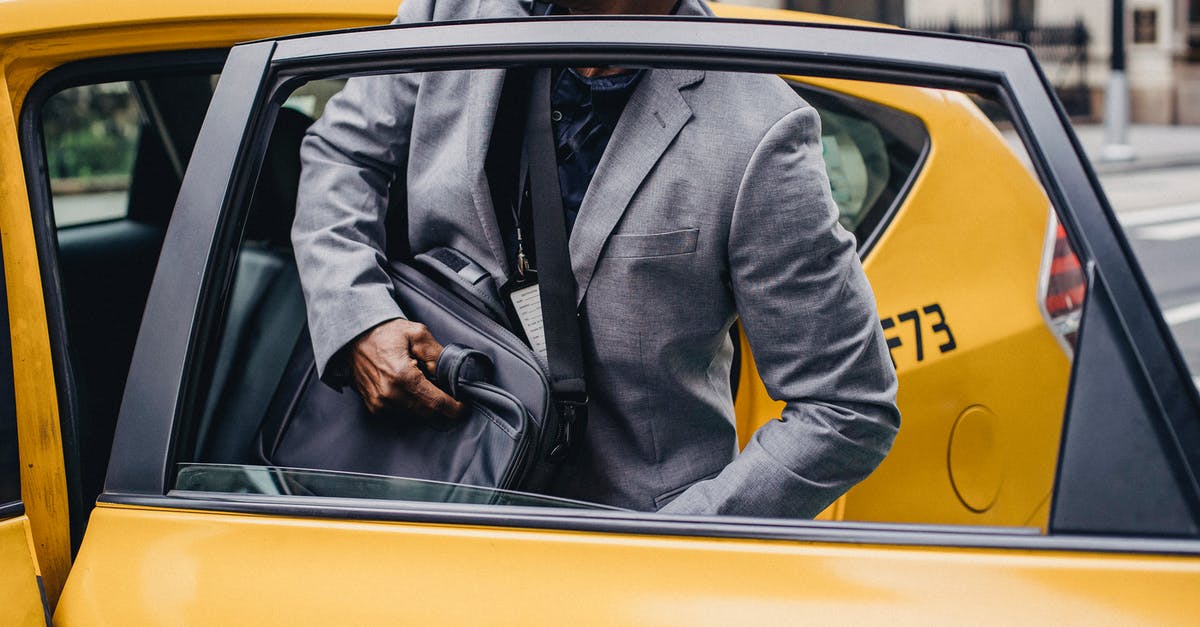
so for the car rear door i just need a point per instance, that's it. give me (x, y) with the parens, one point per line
(1121, 542)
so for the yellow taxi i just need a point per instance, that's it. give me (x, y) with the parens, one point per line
(1046, 469)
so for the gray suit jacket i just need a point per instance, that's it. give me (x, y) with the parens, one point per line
(710, 203)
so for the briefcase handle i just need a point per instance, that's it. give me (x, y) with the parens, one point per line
(459, 364)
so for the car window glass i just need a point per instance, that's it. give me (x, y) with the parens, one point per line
(311, 97)
(1157, 202)
(977, 294)
(267, 481)
(91, 134)
(871, 153)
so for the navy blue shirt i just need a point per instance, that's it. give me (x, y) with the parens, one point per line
(584, 113)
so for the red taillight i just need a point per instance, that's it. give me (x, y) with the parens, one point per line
(1064, 286)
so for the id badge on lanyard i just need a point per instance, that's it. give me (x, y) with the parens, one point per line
(525, 303)
(521, 293)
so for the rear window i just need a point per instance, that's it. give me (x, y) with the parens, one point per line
(91, 135)
(872, 154)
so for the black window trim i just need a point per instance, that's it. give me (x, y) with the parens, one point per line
(149, 416)
(547, 519)
(37, 182)
(11, 509)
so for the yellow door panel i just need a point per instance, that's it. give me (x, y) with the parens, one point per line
(970, 239)
(20, 599)
(147, 566)
(43, 479)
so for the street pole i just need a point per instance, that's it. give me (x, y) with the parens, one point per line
(1116, 95)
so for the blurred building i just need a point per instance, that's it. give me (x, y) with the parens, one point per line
(1072, 39)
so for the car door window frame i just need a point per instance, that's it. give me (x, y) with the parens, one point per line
(34, 158)
(182, 311)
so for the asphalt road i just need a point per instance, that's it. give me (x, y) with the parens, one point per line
(1160, 210)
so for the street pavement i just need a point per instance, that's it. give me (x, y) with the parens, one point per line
(1157, 199)
(1156, 147)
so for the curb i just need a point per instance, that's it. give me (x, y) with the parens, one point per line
(1141, 165)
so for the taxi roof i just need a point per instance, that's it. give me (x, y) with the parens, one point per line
(20, 18)
(27, 17)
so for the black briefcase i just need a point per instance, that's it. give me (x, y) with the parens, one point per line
(510, 427)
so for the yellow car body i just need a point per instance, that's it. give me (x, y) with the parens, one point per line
(973, 450)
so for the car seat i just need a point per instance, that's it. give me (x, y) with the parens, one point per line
(265, 315)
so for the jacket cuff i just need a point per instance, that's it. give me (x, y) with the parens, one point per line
(332, 351)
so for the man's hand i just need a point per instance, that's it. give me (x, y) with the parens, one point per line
(389, 363)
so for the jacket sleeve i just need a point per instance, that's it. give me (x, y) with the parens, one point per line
(810, 316)
(348, 159)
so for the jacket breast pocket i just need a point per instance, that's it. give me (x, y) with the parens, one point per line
(633, 245)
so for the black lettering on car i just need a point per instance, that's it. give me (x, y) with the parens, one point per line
(913, 316)
(941, 327)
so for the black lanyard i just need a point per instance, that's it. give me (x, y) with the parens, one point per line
(520, 215)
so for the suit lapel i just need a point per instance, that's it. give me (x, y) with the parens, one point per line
(653, 117)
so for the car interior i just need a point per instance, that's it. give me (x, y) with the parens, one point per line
(106, 266)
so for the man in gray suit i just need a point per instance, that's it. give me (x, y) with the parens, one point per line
(709, 202)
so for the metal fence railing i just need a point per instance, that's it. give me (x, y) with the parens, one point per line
(1062, 49)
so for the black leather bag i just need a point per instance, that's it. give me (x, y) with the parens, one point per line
(504, 439)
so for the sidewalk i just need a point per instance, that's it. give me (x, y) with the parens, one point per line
(1155, 146)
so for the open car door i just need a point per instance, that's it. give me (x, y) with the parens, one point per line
(186, 532)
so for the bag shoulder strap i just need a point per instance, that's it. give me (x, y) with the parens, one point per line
(556, 282)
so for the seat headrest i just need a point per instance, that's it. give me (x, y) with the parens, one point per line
(273, 207)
